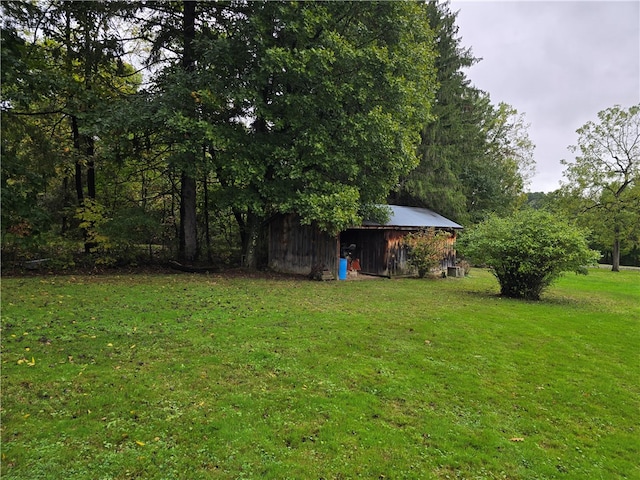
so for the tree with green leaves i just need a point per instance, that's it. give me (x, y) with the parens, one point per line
(602, 186)
(453, 135)
(494, 181)
(474, 157)
(527, 251)
(70, 70)
(328, 101)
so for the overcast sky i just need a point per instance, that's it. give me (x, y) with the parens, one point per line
(558, 62)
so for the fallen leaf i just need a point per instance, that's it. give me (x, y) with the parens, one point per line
(516, 439)
(140, 443)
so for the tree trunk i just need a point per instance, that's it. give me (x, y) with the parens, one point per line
(615, 254)
(91, 170)
(207, 236)
(188, 222)
(75, 132)
(250, 245)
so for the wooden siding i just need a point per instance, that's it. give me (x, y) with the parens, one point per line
(295, 248)
(382, 251)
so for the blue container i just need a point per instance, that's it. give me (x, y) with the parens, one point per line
(342, 271)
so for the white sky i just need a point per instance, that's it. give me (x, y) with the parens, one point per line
(558, 62)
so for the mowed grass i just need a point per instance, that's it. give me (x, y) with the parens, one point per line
(196, 377)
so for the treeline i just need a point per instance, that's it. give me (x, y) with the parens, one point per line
(181, 127)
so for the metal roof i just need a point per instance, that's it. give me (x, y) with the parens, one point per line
(414, 217)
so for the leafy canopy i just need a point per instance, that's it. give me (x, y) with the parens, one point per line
(602, 182)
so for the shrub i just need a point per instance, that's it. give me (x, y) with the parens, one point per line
(465, 266)
(527, 251)
(426, 249)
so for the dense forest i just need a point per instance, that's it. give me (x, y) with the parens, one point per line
(135, 132)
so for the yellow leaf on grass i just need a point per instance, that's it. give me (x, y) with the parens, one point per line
(516, 439)
(140, 443)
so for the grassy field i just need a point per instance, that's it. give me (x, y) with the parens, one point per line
(196, 377)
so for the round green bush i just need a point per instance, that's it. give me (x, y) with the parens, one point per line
(527, 251)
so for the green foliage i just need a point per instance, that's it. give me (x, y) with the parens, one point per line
(527, 251)
(20, 247)
(475, 157)
(317, 108)
(337, 101)
(427, 249)
(603, 183)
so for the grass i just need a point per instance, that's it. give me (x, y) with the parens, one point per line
(186, 376)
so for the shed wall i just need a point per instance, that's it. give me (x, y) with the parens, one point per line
(296, 248)
(382, 252)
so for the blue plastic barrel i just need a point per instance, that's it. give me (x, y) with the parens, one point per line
(342, 271)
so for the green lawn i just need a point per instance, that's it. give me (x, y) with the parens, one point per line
(195, 377)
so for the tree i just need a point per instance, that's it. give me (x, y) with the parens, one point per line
(69, 69)
(453, 133)
(495, 180)
(602, 182)
(329, 101)
(248, 108)
(475, 157)
(527, 251)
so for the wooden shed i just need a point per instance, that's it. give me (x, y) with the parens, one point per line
(380, 247)
(296, 248)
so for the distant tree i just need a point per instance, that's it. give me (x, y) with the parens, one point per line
(602, 185)
(527, 251)
(495, 181)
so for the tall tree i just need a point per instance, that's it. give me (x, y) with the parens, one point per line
(494, 181)
(603, 179)
(336, 94)
(179, 34)
(79, 69)
(454, 135)
(474, 156)
(188, 222)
